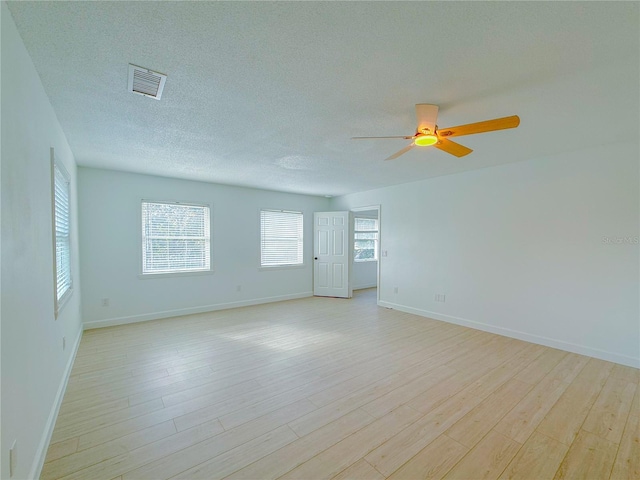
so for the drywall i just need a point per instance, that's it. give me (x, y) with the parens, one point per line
(365, 274)
(110, 234)
(34, 365)
(545, 250)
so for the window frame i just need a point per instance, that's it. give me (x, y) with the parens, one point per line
(376, 240)
(57, 166)
(283, 266)
(173, 273)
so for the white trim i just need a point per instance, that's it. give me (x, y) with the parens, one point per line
(174, 273)
(186, 273)
(362, 287)
(109, 322)
(527, 337)
(176, 202)
(41, 453)
(284, 265)
(63, 301)
(377, 207)
(281, 267)
(376, 249)
(366, 208)
(59, 303)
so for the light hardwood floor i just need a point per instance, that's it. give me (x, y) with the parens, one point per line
(330, 388)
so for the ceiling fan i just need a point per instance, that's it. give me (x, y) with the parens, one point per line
(428, 133)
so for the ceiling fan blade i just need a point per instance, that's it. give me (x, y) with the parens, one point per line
(480, 127)
(426, 115)
(368, 138)
(400, 152)
(452, 147)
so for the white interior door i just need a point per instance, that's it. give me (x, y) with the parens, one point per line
(332, 251)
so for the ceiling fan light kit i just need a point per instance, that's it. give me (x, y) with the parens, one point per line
(425, 140)
(427, 132)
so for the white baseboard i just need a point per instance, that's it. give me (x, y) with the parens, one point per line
(362, 287)
(110, 322)
(527, 337)
(41, 453)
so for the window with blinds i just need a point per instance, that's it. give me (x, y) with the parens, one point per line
(62, 234)
(176, 238)
(281, 240)
(365, 248)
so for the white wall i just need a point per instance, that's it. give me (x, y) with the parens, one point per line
(110, 234)
(365, 274)
(34, 366)
(518, 249)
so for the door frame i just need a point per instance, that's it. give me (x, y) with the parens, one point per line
(378, 207)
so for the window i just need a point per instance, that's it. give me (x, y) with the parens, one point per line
(62, 234)
(365, 247)
(176, 237)
(281, 240)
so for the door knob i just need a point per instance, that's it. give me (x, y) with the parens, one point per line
(315, 258)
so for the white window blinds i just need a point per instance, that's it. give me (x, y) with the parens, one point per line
(62, 232)
(281, 241)
(175, 237)
(365, 247)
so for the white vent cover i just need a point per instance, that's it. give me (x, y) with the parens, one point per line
(146, 82)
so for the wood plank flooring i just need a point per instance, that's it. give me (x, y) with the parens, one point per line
(325, 388)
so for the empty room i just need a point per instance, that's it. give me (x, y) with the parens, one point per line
(320, 240)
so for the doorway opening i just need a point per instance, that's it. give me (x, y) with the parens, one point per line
(366, 252)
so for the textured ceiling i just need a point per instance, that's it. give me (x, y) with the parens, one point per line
(267, 95)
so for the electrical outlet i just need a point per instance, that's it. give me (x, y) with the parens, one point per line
(239, 288)
(395, 289)
(105, 302)
(384, 253)
(64, 343)
(13, 458)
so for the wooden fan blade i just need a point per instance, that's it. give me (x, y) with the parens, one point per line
(368, 138)
(452, 147)
(400, 152)
(480, 127)
(426, 115)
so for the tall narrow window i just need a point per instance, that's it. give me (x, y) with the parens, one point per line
(62, 234)
(365, 248)
(281, 241)
(176, 238)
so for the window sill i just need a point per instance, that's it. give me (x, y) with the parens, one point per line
(62, 302)
(280, 267)
(149, 276)
(366, 261)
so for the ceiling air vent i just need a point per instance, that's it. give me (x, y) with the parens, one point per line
(146, 82)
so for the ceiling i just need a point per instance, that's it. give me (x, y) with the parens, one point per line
(267, 95)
